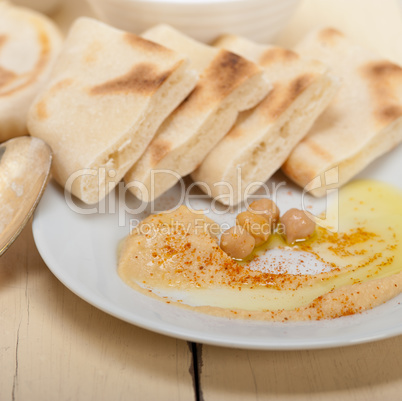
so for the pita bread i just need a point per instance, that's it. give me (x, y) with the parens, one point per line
(228, 84)
(363, 121)
(108, 93)
(262, 138)
(29, 43)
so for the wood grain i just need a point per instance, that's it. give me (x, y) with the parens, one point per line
(55, 346)
(367, 372)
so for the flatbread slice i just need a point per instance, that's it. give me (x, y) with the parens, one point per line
(262, 138)
(29, 44)
(108, 93)
(228, 84)
(363, 121)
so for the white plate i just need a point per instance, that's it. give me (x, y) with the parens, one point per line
(81, 251)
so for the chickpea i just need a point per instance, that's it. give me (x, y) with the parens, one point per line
(256, 225)
(297, 225)
(267, 209)
(237, 242)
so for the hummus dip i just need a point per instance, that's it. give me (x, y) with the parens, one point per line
(175, 256)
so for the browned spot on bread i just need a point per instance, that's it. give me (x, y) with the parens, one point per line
(383, 69)
(143, 78)
(6, 76)
(283, 95)
(389, 113)
(318, 150)
(226, 72)
(64, 83)
(144, 44)
(44, 55)
(41, 110)
(159, 148)
(298, 171)
(222, 40)
(330, 36)
(270, 105)
(299, 84)
(92, 52)
(42, 61)
(277, 55)
(385, 81)
(235, 132)
(3, 40)
(190, 101)
(41, 106)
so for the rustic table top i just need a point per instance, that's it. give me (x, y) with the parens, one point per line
(55, 346)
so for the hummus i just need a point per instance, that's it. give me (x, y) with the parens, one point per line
(176, 256)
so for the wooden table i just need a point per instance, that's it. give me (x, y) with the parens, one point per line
(55, 346)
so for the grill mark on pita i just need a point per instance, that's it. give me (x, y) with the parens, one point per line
(41, 110)
(92, 52)
(384, 78)
(226, 72)
(238, 130)
(271, 102)
(143, 78)
(199, 100)
(64, 83)
(319, 151)
(159, 148)
(6, 76)
(299, 84)
(298, 171)
(282, 95)
(3, 40)
(144, 44)
(191, 101)
(296, 167)
(277, 55)
(235, 132)
(41, 106)
(223, 40)
(384, 69)
(390, 113)
(43, 59)
(330, 36)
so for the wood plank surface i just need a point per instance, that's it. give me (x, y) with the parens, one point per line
(367, 372)
(55, 346)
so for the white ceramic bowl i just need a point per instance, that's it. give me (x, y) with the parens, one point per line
(259, 20)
